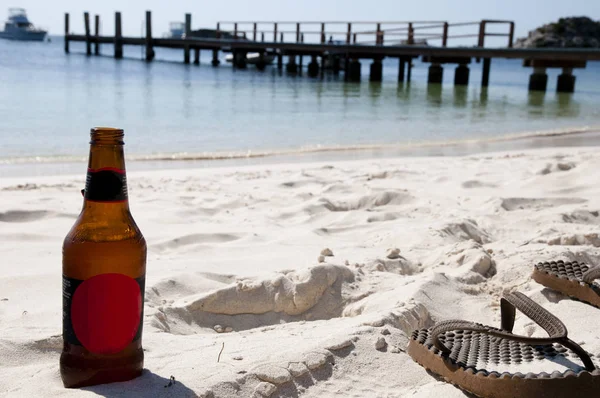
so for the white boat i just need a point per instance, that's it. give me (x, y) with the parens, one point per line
(253, 58)
(18, 27)
(176, 30)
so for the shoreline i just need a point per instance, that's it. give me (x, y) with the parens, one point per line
(64, 165)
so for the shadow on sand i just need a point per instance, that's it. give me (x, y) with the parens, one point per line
(147, 385)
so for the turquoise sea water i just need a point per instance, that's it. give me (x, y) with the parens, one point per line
(49, 100)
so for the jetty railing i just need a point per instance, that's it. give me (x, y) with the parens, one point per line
(362, 32)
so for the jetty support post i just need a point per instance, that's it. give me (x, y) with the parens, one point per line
(485, 75)
(149, 48)
(188, 31)
(401, 63)
(215, 52)
(461, 75)
(313, 66)
(88, 41)
(409, 70)
(66, 32)
(376, 70)
(118, 36)
(538, 80)
(566, 81)
(291, 67)
(353, 71)
(96, 34)
(436, 73)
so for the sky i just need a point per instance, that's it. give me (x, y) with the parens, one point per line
(527, 14)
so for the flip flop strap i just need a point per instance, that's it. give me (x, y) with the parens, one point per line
(591, 274)
(510, 302)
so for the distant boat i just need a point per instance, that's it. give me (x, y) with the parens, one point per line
(18, 27)
(176, 30)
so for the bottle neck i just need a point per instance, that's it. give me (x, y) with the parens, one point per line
(106, 182)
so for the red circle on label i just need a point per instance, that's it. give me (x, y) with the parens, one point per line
(105, 312)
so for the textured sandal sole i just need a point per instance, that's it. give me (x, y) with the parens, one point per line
(568, 287)
(489, 385)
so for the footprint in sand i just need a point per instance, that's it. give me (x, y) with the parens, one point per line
(17, 216)
(511, 204)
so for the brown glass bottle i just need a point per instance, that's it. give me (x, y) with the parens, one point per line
(104, 269)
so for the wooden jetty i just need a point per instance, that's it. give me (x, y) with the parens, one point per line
(405, 40)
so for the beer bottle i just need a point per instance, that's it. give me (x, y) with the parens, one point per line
(104, 268)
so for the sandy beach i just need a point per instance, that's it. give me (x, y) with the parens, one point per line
(306, 279)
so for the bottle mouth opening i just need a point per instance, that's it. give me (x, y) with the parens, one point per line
(106, 136)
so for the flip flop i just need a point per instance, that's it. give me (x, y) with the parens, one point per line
(495, 363)
(574, 279)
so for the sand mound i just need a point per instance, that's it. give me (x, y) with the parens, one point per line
(465, 230)
(581, 217)
(368, 202)
(311, 294)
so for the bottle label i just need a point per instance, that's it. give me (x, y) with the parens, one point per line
(104, 313)
(107, 184)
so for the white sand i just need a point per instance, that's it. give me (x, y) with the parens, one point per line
(240, 248)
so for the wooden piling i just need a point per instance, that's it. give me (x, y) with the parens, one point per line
(149, 49)
(196, 56)
(461, 75)
(254, 32)
(262, 36)
(322, 33)
(566, 81)
(435, 74)
(402, 61)
(511, 34)
(409, 70)
(297, 32)
(96, 34)
(376, 71)
(349, 34)
(538, 80)
(218, 32)
(481, 38)
(445, 36)
(313, 67)
(275, 32)
(485, 75)
(118, 36)
(411, 33)
(88, 41)
(188, 31)
(235, 31)
(67, 32)
(378, 36)
(281, 37)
